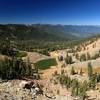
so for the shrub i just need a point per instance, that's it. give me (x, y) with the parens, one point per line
(21, 54)
(62, 71)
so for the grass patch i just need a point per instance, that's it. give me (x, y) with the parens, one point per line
(45, 64)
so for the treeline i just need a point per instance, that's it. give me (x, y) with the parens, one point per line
(47, 46)
(87, 56)
(9, 48)
(14, 68)
(8, 44)
(68, 59)
(81, 45)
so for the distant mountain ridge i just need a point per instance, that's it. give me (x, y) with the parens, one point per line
(75, 30)
(47, 32)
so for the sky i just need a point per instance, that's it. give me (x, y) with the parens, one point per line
(66, 12)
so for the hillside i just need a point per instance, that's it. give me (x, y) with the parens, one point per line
(78, 31)
(30, 32)
(53, 75)
(89, 48)
(47, 32)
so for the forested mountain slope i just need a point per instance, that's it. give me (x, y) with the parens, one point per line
(47, 32)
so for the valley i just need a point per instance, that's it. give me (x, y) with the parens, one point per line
(64, 69)
(49, 49)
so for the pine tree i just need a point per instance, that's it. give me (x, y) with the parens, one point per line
(90, 70)
(93, 81)
(88, 56)
(68, 60)
(83, 57)
(60, 58)
(82, 90)
(77, 56)
(72, 70)
(75, 86)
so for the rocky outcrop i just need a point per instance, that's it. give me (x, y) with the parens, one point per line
(19, 90)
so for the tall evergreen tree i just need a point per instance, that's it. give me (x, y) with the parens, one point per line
(90, 70)
(72, 70)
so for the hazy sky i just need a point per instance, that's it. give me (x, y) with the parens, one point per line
(83, 12)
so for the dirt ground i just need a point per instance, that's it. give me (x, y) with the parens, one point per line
(34, 57)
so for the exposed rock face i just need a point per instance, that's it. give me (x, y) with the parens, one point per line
(17, 90)
(26, 90)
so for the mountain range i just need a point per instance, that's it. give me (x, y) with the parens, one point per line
(47, 32)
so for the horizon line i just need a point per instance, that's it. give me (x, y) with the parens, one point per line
(50, 24)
